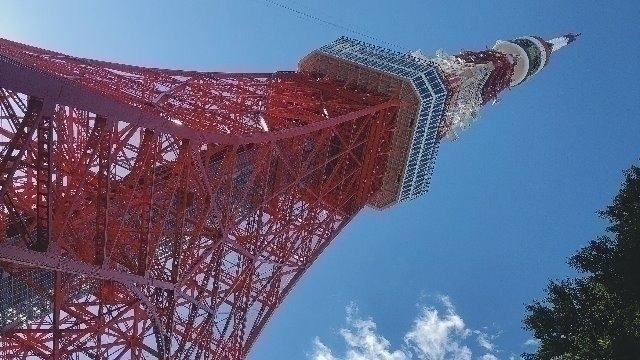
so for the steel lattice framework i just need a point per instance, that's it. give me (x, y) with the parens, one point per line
(153, 213)
(165, 214)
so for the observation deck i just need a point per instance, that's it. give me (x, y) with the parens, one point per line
(418, 83)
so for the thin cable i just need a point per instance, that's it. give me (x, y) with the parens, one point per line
(303, 14)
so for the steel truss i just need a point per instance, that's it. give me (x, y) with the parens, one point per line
(152, 213)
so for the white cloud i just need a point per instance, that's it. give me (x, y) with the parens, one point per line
(320, 351)
(364, 344)
(362, 340)
(532, 342)
(485, 340)
(435, 335)
(488, 357)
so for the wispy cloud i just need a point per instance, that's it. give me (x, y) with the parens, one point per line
(532, 343)
(436, 334)
(321, 352)
(488, 357)
(362, 340)
(485, 340)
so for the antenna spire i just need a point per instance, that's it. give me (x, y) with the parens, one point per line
(563, 41)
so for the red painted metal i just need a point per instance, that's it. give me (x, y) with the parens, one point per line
(499, 77)
(502, 67)
(154, 213)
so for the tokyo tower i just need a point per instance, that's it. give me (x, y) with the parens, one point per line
(165, 214)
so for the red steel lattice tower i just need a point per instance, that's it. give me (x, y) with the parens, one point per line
(150, 213)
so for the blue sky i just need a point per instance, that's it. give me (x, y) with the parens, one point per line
(509, 200)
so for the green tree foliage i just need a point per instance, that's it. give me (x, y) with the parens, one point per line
(596, 316)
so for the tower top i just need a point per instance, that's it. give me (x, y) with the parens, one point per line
(441, 95)
(531, 53)
(561, 41)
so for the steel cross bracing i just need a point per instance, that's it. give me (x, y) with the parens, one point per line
(152, 213)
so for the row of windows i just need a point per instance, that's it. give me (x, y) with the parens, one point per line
(391, 62)
(415, 175)
(433, 85)
(423, 126)
(405, 60)
(412, 171)
(404, 65)
(431, 129)
(381, 55)
(425, 158)
(421, 183)
(377, 63)
(422, 152)
(358, 43)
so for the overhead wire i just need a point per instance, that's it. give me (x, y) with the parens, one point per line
(307, 15)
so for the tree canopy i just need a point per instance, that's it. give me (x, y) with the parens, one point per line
(597, 315)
